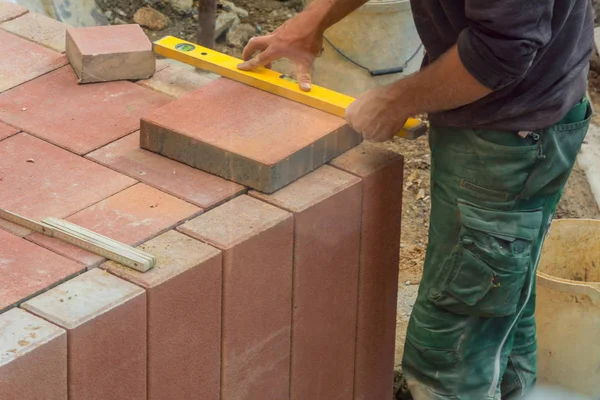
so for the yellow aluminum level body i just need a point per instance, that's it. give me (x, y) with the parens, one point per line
(268, 80)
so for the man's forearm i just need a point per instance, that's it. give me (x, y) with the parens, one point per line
(444, 85)
(328, 12)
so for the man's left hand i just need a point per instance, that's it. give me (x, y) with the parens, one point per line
(376, 114)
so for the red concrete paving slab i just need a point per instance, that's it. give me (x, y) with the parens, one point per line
(225, 128)
(381, 172)
(105, 319)
(79, 118)
(33, 357)
(26, 269)
(108, 53)
(6, 131)
(10, 11)
(177, 80)
(39, 180)
(256, 239)
(39, 29)
(187, 183)
(184, 316)
(27, 61)
(327, 215)
(132, 216)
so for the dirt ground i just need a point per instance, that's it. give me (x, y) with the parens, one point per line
(265, 16)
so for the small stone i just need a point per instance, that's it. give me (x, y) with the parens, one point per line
(182, 6)
(229, 6)
(24, 109)
(120, 12)
(239, 36)
(407, 283)
(108, 14)
(224, 22)
(30, 160)
(119, 21)
(151, 19)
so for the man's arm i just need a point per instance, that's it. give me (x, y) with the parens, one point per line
(300, 39)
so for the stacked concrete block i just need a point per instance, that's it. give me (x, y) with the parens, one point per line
(105, 320)
(39, 29)
(327, 215)
(33, 358)
(184, 317)
(257, 243)
(381, 172)
(109, 53)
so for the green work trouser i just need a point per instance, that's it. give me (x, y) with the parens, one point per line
(472, 333)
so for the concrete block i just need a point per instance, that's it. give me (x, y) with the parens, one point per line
(246, 135)
(27, 61)
(97, 114)
(184, 317)
(27, 269)
(10, 11)
(187, 183)
(381, 172)
(39, 29)
(132, 217)
(110, 53)
(177, 80)
(327, 215)
(6, 131)
(33, 358)
(105, 319)
(256, 240)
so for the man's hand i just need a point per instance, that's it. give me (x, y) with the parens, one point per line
(299, 40)
(376, 114)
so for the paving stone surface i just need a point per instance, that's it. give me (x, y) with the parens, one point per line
(131, 216)
(26, 269)
(6, 131)
(39, 29)
(93, 115)
(177, 80)
(109, 53)
(33, 357)
(246, 135)
(187, 183)
(27, 61)
(10, 11)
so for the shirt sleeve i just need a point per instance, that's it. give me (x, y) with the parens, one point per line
(503, 37)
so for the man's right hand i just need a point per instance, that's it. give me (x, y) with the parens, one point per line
(300, 39)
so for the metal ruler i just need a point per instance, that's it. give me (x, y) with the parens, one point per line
(267, 80)
(85, 239)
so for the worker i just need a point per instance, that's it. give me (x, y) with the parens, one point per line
(504, 84)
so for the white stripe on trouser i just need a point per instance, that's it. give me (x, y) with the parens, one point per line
(496, 380)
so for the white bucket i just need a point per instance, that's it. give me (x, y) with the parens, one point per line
(379, 35)
(568, 307)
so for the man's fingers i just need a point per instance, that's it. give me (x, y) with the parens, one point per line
(303, 77)
(259, 43)
(260, 60)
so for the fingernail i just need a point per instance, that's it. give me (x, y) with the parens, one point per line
(242, 65)
(305, 86)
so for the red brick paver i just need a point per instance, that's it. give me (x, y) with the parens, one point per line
(177, 80)
(246, 135)
(105, 318)
(327, 206)
(40, 29)
(79, 118)
(26, 61)
(381, 172)
(131, 216)
(184, 317)
(256, 239)
(6, 131)
(33, 357)
(108, 53)
(187, 183)
(9, 11)
(40, 180)
(26, 269)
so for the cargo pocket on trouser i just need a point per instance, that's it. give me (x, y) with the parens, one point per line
(485, 274)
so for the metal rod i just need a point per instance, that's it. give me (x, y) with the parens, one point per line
(207, 15)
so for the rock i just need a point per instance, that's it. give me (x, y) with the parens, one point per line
(229, 6)
(119, 21)
(239, 35)
(182, 6)
(120, 12)
(224, 22)
(151, 19)
(108, 14)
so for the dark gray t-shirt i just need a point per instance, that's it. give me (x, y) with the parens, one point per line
(533, 53)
